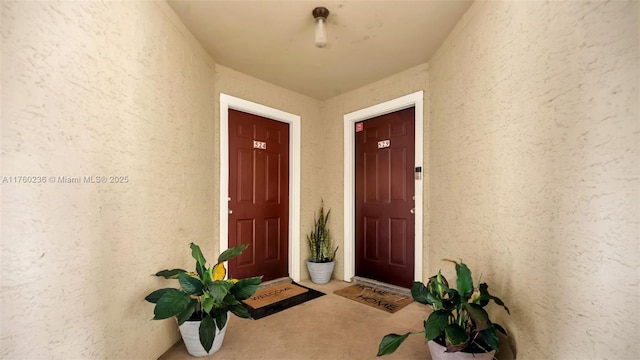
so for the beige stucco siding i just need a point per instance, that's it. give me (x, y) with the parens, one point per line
(534, 169)
(99, 89)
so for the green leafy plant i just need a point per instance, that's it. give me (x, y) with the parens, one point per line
(320, 238)
(204, 295)
(459, 320)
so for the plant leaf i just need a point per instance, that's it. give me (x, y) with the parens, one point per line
(219, 289)
(485, 297)
(436, 288)
(190, 285)
(244, 288)
(207, 277)
(438, 285)
(478, 315)
(419, 293)
(207, 332)
(390, 343)
(232, 252)
(490, 337)
(452, 301)
(186, 314)
(456, 338)
(201, 270)
(197, 254)
(500, 328)
(200, 260)
(231, 300)
(464, 281)
(156, 295)
(171, 303)
(240, 311)
(484, 294)
(207, 303)
(219, 272)
(221, 319)
(170, 274)
(435, 324)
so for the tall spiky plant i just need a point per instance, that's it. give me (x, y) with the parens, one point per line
(320, 238)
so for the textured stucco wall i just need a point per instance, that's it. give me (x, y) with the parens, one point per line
(99, 89)
(535, 170)
(531, 156)
(332, 147)
(312, 176)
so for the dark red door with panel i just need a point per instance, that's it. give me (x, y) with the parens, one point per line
(258, 195)
(385, 191)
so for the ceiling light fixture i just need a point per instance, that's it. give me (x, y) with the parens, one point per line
(320, 14)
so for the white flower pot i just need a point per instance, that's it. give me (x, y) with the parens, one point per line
(438, 353)
(320, 272)
(191, 337)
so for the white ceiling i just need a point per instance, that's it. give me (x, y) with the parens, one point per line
(367, 40)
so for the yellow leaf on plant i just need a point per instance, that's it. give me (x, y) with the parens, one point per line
(234, 280)
(219, 272)
(475, 297)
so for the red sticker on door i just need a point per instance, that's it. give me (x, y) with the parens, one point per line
(359, 127)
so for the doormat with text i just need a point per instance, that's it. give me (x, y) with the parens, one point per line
(273, 299)
(273, 294)
(375, 297)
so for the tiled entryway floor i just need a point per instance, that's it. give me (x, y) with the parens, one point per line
(329, 327)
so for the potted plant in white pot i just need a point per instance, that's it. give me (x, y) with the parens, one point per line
(459, 326)
(322, 260)
(204, 301)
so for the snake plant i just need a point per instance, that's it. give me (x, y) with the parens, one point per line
(320, 238)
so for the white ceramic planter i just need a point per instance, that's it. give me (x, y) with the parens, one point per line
(320, 272)
(191, 337)
(438, 353)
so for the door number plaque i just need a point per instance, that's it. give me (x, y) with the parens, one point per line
(384, 144)
(259, 145)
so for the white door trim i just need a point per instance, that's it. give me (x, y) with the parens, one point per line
(416, 100)
(229, 102)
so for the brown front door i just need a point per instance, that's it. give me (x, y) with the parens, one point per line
(258, 195)
(385, 198)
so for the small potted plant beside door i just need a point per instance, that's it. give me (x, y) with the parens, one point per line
(322, 260)
(204, 301)
(458, 328)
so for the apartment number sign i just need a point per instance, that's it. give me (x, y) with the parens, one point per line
(384, 144)
(259, 145)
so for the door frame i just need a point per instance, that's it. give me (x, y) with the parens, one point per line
(230, 102)
(411, 100)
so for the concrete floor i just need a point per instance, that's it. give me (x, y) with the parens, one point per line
(329, 327)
